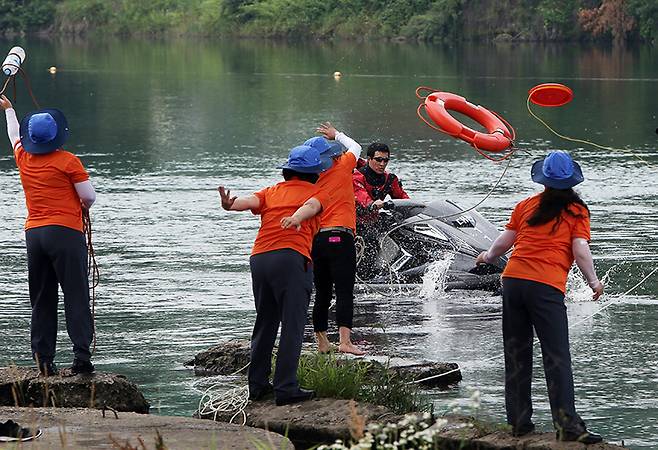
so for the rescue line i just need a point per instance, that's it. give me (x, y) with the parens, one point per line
(499, 135)
(552, 95)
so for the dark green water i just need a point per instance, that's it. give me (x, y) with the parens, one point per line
(161, 124)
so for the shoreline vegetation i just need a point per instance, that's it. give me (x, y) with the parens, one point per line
(619, 21)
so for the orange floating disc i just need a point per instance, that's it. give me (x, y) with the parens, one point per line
(550, 94)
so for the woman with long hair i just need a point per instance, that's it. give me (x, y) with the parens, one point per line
(548, 232)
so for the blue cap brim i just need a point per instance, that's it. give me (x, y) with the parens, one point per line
(335, 149)
(537, 175)
(313, 169)
(45, 147)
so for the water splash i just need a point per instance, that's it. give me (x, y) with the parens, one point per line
(435, 277)
(577, 288)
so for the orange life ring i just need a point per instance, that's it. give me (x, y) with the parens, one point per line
(498, 136)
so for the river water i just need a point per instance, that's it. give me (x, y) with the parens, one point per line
(160, 124)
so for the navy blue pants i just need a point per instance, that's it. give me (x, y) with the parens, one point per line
(527, 305)
(57, 255)
(282, 282)
(334, 268)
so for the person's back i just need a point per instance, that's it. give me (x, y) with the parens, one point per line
(48, 182)
(56, 187)
(543, 252)
(280, 201)
(548, 231)
(337, 183)
(280, 271)
(334, 254)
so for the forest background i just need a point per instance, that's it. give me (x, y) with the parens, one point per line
(428, 20)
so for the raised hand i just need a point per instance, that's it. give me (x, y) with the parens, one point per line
(227, 200)
(5, 103)
(327, 130)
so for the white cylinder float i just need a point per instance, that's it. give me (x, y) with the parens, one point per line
(13, 61)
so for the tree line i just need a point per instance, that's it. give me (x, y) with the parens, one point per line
(429, 20)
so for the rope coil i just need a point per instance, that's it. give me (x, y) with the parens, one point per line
(215, 401)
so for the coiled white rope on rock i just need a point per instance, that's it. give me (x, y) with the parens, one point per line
(215, 401)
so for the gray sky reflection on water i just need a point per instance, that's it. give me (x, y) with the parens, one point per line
(159, 133)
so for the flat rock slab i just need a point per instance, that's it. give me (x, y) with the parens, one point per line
(23, 386)
(315, 421)
(231, 358)
(468, 434)
(77, 428)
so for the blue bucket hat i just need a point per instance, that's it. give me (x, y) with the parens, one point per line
(305, 159)
(325, 147)
(557, 171)
(44, 131)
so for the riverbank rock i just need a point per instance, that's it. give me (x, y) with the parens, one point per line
(323, 421)
(233, 357)
(77, 428)
(224, 359)
(315, 421)
(23, 386)
(466, 433)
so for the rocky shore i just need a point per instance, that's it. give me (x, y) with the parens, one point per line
(107, 411)
(232, 358)
(326, 421)
(78, 428)
(23, 386)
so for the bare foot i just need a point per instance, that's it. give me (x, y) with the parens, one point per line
(348, 347)
(324, 346)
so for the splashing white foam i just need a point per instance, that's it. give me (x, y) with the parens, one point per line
(577, 288)
(435, 277)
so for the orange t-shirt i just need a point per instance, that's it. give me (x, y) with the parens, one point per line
(48, 181)
(337, 182)
(282, 200)
(540, 255)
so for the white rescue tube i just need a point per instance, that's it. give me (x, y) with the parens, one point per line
(13, 61)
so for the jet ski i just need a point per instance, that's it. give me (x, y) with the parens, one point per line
(412, 235)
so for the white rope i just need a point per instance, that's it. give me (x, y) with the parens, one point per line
(215, 400)
(604, 307)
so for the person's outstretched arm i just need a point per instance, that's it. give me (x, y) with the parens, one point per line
(13, 129)
(583, 256)
(237, 203)
(331, 133)
(500, 246)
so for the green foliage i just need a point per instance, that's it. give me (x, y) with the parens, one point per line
(646, 14)
(559, 16)
(441, 22)
(332, 378)
(360, 380)
(418, 19)
(26, 15)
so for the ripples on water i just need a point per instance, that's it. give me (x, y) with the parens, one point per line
(174, 266)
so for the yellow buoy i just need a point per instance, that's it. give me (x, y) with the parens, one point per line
(52, 69)
(337, 75)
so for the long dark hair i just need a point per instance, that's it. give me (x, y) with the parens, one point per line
(289, 174)
(552, 202)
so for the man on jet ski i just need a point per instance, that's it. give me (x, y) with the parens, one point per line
(372, 184)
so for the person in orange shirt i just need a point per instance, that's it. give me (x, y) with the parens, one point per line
(548, 231)
(281, 272)
(334, 254)
(57, 188)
